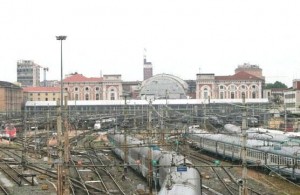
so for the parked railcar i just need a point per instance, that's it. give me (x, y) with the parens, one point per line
(171, 180)
(10, 132)
(283, 159)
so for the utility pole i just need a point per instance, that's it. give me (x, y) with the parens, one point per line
(125, 122)
(244, 189)
(66, 151)
(150, 170)
(48, 128)
(285, 118)
(59, 151)
(24, 151)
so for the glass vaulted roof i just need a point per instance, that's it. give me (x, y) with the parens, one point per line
(163, 86)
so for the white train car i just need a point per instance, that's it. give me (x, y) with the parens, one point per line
(268, 135)
(283, 159)
(171, 179)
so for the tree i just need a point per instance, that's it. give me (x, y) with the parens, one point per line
(276, 85)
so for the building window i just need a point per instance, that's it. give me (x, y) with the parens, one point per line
(221, 95)
(86, 96)
(53, 94)
(243, 95)
(46, 99)
(76, 89)
(112, 96)
(221, 87)
(253, 95)
(66, 89)
(30, 94)
(46, 93)
(232, 95)
(97, 88)
(38, 94)
(53, 99)
(205, 94)
(86, 88)
(97, 96)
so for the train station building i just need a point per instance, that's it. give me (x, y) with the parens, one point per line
(247, 80)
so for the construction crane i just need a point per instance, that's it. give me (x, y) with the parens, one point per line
(45, 70)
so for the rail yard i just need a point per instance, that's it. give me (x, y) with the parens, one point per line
(147, 149)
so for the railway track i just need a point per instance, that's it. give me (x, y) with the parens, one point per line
(102, 177)
(4, 190)
(231, 184)
(12, 170)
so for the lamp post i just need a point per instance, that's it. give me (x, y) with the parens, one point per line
(61, 38)
(60, 178)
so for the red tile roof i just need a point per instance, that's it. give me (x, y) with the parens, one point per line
(81, 78)
(239, 76)
(41, 89)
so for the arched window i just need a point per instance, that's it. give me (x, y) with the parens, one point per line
(253, 95)
(232, 87)
(205, 93)
(86, 96)
(97, 96)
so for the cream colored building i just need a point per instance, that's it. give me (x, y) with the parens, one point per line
(10, 98)
(42, 94)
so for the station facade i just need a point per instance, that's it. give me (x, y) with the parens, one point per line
(247, 81)
(79, 87)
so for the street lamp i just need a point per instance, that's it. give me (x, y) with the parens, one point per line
(61, 38)
(60, 126)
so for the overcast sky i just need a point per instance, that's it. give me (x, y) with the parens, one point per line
(181, 37)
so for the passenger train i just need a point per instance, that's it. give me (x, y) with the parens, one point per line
(278, 157)
(172, 172)
(269, 135)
